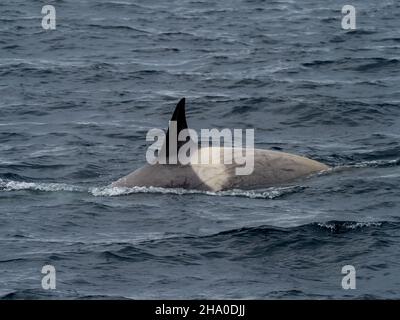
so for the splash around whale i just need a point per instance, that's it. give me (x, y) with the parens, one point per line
(269, 168)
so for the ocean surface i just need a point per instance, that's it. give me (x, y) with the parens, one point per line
(76, 104)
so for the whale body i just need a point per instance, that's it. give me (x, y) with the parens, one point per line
(271, 168)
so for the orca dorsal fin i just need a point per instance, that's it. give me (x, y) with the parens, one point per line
(179, 116)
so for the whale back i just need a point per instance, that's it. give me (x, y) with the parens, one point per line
(271, 168)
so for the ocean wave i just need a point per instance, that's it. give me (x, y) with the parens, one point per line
(337, 226)
(305, 229)
(269, 193)
(375, 164)
(339, 167)
(10, 185)
(357, 64)
(378, 64)
(109, 191)
(11, 294)
(35, 294)
(257, 234)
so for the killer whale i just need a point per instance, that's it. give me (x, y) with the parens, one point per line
(271, 168)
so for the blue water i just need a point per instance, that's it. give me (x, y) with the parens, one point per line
(77, 102)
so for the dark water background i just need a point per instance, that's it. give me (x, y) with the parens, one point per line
(77, 102)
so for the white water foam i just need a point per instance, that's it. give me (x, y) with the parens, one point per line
(10, 185)
(377, 163)
(349, 225)
(109, 191)
(363, 164)
(269, 193)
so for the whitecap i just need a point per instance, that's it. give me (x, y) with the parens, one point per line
(332, 226)
(269, 193)
(10, 185)
(110, 191)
